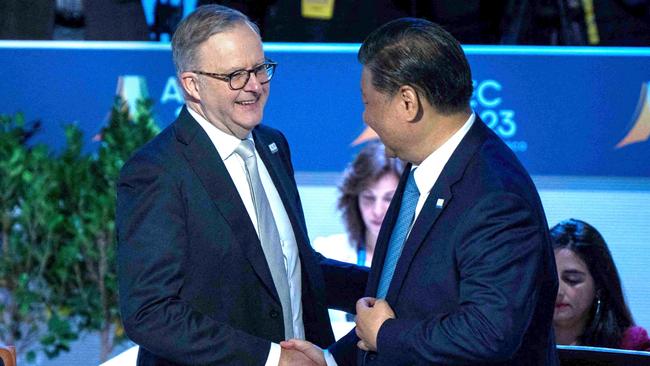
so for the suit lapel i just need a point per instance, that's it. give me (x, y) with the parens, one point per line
(423, 224)
(271, 154)
(442, 190)
(211, 171)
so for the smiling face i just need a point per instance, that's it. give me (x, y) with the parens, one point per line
(576, 291)
(235, 112)
(374, 201)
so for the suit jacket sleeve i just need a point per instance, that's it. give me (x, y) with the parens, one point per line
(152, 247)
(499, 261)
(345, 283)
(345, 349)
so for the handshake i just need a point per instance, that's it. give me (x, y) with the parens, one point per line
(371, 314)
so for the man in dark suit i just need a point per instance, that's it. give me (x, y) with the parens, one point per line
(214, 262)
(463, 272)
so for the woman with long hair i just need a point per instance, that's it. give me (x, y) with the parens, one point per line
(367, 188)
(590, 309)
(368, 185)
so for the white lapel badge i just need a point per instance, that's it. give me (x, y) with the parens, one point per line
(440, 202)
(273, 148)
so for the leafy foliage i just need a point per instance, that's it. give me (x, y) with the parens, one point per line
(57, 269)
(28, 232)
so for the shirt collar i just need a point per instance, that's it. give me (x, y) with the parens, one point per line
(222, 141)
(431, 167)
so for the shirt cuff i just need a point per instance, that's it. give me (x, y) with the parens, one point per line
(329, 359)
(274, 355)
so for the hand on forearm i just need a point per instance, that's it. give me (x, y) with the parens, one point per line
(371, 314)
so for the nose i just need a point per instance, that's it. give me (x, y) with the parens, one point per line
(378, 208)
(252, 85)
(560, 291)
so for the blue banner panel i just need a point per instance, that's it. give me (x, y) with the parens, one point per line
(564, 111)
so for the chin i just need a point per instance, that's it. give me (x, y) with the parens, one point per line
(559, 318)
(250, 123)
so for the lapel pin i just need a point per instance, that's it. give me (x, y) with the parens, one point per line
(440, 202)
(273, 148)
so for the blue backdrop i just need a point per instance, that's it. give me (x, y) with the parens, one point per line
(562, 110)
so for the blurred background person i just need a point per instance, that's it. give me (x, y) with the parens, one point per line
(590, 309)
(366, 190)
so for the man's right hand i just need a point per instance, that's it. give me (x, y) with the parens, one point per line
(298, 352)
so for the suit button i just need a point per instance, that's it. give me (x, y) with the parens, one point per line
(274, 314)
(372, 356)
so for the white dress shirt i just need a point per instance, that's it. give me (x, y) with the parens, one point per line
(225, 145)
(431, 167)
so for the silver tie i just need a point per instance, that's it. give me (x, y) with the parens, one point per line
(268, 233)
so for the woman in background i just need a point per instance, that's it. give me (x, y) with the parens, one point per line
(590, 309)
(368, 186)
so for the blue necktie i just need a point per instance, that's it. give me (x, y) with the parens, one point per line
(398, 237)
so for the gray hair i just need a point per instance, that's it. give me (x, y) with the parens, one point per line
(196, 28)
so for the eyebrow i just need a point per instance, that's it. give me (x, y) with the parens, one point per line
(573, 271)
(235, 69)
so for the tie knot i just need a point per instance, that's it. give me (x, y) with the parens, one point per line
(411, 187)
(245, 149)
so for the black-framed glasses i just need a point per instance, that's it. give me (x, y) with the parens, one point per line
(238, 79)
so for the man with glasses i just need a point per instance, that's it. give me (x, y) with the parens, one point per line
(215, 265)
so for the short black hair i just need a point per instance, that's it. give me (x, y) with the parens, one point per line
(419, 53)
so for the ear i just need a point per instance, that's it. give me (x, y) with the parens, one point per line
(409, 102)
(190, 84)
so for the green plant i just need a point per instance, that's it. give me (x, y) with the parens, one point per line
(57, 221)
(84, 275)
(30, 233)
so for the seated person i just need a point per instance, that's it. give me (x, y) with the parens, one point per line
(367, 188)
(590, 309)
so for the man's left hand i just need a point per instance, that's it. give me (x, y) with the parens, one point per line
(371, 314)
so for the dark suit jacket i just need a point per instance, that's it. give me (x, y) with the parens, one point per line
(476, 281)
(195, 288)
